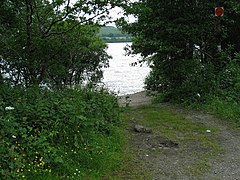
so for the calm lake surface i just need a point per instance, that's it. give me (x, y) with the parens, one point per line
(121, 77)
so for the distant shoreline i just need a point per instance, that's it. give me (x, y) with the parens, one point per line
(117, 41)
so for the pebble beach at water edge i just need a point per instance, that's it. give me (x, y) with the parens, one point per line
(136, 99)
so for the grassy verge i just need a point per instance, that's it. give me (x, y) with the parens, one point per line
(226, 108)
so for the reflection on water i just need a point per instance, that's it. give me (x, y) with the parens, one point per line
(120, 76)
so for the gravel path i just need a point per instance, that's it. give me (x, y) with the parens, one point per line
(226, 166)
(170, 163)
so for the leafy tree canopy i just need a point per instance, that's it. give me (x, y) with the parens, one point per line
(187, 46)
(52, 42)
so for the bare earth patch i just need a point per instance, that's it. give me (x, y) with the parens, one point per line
(209, 149)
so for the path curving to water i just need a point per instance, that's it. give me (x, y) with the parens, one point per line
(188, 161)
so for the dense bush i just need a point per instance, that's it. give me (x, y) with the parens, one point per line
(56, 133)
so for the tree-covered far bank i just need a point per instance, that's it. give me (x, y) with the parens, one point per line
(112, 34)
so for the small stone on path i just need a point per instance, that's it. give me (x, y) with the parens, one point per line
(141, 129)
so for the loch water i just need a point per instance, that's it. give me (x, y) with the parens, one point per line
(121, 77)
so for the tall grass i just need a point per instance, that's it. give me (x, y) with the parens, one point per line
(226, 108)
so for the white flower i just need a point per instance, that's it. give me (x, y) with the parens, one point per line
(14, 137)
(9, 108)
(198, 95)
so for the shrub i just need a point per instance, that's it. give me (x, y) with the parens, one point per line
(46, 132)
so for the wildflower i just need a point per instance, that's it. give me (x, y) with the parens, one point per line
(198, 95)
(208, 131)
(9, 108)
(14, 137)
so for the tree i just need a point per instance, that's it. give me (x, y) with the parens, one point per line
(81, 55)
(181, 40)
(49, 42)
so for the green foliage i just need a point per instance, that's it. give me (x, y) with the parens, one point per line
(58, 133)
(52, 43)
(225, 107)
(192, 55)
(170, 42)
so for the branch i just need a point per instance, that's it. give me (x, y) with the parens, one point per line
(75, 25)
(59, 20)
(38, 17)
(200, 50)
(12, 49)
(203, 52)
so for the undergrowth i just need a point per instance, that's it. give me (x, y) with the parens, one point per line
(227, 109)
(58, 134)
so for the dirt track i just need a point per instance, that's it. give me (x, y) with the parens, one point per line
(171, 163)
